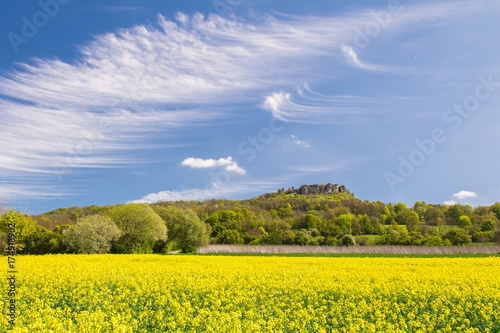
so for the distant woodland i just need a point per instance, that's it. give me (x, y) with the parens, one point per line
(284, 217)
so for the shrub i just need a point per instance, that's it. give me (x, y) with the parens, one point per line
(362, 240)
(313, 242)
(497, 236)
(347, 240)
(92, 234)
(44, 241)
(483, 236)
(331, 241)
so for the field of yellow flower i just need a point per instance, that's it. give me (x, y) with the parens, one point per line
(154, 293)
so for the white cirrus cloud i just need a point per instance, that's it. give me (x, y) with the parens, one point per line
(465, 195)
(353, 60)
(227, 163)
(298, 142)
(309, 106)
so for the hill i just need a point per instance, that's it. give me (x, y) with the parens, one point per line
(320, 215)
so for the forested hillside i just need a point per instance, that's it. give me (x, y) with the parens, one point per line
(282, 217)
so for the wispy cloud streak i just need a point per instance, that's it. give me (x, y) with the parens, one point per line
(353, 59)
(308, 106)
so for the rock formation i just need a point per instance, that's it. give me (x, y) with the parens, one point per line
(321, 189)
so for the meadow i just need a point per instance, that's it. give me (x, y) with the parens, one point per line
(205, 293)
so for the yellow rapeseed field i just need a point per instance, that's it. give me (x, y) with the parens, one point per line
(154, 293)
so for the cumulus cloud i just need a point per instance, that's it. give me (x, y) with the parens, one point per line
(186, 195)
(227, 163)
(465, 194)
(213, 190)
(450, 202)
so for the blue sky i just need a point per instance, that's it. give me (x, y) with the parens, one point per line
(138, 101)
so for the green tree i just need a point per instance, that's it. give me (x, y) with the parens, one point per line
(92, 234)
(141, 228)
(344, 222)
(487, 225)
(457, 236)
(464, 222)
(420, 208)
(412, 221)
(74, 217)
(433, 216)
(285, 212)
(496, 209)
(230, 237)
(311, 221)
(365, 224)
(328, 227)
(184, 228)
(24, 227)
(399, 207)
(454, 212)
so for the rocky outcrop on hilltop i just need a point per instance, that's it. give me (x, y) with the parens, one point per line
(321, 189)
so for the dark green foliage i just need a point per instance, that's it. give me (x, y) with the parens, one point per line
(184, 227)
(348, 240)
(74, 217)
(365, 224)
(44, 241)
(457, 236)
(483, 237)
(454, 212)
(495, 209)
(434, 216)
(488, 225)
(496, 236)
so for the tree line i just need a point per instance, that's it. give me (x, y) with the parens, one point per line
(282, 217)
